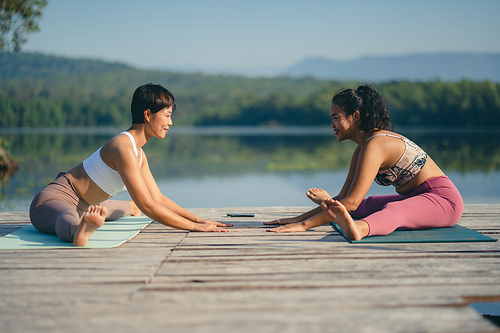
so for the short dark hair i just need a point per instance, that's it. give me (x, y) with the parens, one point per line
(370, 104)
(150, 96)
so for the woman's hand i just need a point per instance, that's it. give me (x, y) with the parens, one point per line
(294, 227)
(219, 224)
(209, 227)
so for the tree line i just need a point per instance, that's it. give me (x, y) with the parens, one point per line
(45, 91)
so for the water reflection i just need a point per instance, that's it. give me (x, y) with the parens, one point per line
(248, 166)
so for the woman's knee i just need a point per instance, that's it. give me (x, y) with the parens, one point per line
(374, 204)
(386, 220)
(116, 209)
(55, 218)
(64, 223)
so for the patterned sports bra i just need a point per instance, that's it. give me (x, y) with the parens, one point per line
(406, 168)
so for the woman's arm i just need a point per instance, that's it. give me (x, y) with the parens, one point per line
(297, 219)
(142, 192)
(165, 201)
(367, 164)
(343, 193)
(350, 175)
(314, 221)
(158, 197)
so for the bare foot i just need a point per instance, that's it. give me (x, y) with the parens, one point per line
(339, 214)
(92, 220)
(318, 195)
(134, 210)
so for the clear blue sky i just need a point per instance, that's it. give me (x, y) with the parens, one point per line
(236, 35)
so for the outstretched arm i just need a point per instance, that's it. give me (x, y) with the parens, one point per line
(318, 195)
(365, 164)
(144, 192)
(314, 221)
(296, 219)
(350, 176)
(167, 202)
(318, 210)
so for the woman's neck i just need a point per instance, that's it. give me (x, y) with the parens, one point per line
(361, 137)
(141, 138)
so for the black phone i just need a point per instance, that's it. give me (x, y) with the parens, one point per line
(240, 214)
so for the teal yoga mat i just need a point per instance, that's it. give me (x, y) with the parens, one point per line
(456, 233)
(111, 234)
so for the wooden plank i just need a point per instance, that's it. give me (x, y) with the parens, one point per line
(250, 280)
(269, 319)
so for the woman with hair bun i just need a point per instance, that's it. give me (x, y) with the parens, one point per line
(426, 197)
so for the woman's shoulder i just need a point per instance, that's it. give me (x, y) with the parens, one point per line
(385, 138)
(385, 134)
(121, 139)
(118, 145)
(385, 143)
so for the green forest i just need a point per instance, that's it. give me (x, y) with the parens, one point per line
(46, 91)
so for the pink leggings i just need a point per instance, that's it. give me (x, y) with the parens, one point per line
(58, 207)
(436, 203)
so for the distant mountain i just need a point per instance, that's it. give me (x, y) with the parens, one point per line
(446, 66)
(25, 64)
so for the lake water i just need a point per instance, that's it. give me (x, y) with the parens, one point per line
(246, 166)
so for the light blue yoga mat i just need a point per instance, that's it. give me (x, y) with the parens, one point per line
(111, 234)
(456, 233)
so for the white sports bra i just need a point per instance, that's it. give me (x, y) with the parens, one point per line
(107, 179)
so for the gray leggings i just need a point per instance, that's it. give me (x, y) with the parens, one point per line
(58, 207)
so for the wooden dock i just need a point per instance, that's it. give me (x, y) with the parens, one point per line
(249, 280)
